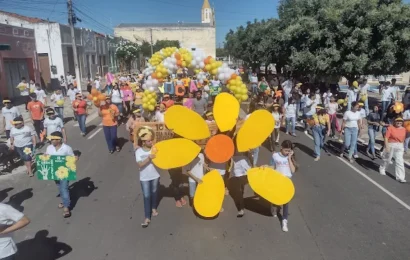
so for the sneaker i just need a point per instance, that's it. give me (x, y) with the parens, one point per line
(317, 159)
(401, 181)
(287, 133)
(382, 171)
(285, 225)
(277, 143)
(341, 155)
(351, 160)
(368, 153)
(240, 214)
(355, 156)
(381, 154)
(306, 132)
(293, 134)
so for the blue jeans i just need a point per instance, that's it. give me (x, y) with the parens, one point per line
(298, 108)
(192, 188)
(64, 193)
(372, 140)
(350, 140)
(110, 133)
(119, 105)
(255, 154)
(255, 89)
(60, 112)
(81, 122)
(318, 138)
(25, 157)
(385, 105)
(286, 97)
(289, 121)
(150, 193)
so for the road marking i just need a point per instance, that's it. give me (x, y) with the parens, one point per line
(95, 133)
(371, 180)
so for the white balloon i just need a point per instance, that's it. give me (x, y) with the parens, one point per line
(155, 82)
(144, 86)
(221, 76)
(202, 64)
(226, 70)
(193, 63)
(148, 84)
(151, 89)
(220, 70)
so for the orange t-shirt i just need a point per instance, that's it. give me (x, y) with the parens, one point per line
(395, 134)
(109, 115)
(36, 109)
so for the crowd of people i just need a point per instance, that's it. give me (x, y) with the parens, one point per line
(292, 104)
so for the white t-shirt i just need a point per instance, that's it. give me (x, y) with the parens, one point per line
(41, 95)
(326, 98)
(287, 86)
(276, 116)
(22, 136)
(351, 118)
(393, 90)
(254, 79)
(52, 125)
(387, 94)
(318, 98)
(116, 96)
(281, 164)
(290, 110)
(312, 110)
(64, 150)
(159, 117)
(362, 113)
(24, 92)
(352, 96)
(9, 115)
(364, 88)
(69, 79)
(56, 97)
(196, 167)
(332, 108)
(220, 167)
(149, 171)
(8, 217)
(406, 115)
(71, 93)
(241, 165)
(32, 87)
(97, 84)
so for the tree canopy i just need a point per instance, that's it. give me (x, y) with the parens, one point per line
(332, 38)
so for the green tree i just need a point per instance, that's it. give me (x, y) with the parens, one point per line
(126, 53)
(221, 52)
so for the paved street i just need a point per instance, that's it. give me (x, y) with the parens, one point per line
(340, 211)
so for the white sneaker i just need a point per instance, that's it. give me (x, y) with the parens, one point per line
(355, 156)
(382, 171)
(401, 181)
(306, 132)
(287, 133)
(285, 225)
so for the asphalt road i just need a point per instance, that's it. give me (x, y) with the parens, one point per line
(338, 212)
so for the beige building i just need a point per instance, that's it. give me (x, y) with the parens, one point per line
(190, 35)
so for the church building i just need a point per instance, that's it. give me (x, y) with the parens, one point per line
(190, 35)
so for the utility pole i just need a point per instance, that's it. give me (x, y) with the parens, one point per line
(152, 44)
(72, 19)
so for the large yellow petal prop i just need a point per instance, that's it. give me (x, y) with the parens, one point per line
(271, 185)
(186, 123)
(226, 111)
(174, 153)
(209, 195)
(255, 130)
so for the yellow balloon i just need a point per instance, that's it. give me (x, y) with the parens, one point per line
(186, 123)
(208, 67)
(209, 195)
(174, 153)
(60, 102)
(214, 71)
(355, 84)
(256, 129)
(145, 106)
(226, 111)
(144, 99)
(151, 107)
(184, 63)
(244, 97)
(271, 185)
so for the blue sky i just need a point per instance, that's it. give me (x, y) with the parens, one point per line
(102, 15)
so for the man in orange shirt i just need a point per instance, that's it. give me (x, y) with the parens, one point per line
(36, 109)
(393, 141)
(109, 113)
(167, 101)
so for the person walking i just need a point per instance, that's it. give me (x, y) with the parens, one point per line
(200, 105)
(290, 116)
(320, 130)
(373, 126)
(63, 85)
(287, 87)
(58, 99)
(23, 140)
(240, 165)
(109, 114)
(36, 109)
(58, 147)
(11, 220)
(54, 124)
(24, 88)
(149, 175)
(351, 123)
(285, 163)
(332, 108)
(393, 143)
(80, 111)
(117, 100)
(9, 112)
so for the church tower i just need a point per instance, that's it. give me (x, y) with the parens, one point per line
(208, 13)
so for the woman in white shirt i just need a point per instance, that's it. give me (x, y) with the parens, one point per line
(290, 116)
(116, 99)
(351, 97)
(351, 123)
(332, 107)
(326, 97)
(149, 174)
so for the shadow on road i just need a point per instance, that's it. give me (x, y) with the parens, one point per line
(81, 188)
(121, 141)
(3, 193)
(258, 205)
(17, 199)
(89, 129)
(304, 148)
(42, 247)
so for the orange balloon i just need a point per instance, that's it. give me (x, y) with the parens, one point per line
(207, 60)
(177, 56)
(179, 62)
(94, 92)
(153, 75)
(95, 99)
(102, 97)
(407, 126)
(220, 148)
(90, 97)
(234, 76)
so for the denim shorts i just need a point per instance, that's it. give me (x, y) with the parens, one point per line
(25, 157)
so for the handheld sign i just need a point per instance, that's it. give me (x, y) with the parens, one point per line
(55, 167)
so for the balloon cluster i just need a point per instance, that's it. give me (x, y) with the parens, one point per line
(96, 97)
(161, 72)
(149, 100)
(238, 88)
(211, 65)
(156, 58)
(198, 61)
(201, 76)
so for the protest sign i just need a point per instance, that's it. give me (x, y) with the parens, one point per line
(55, 167)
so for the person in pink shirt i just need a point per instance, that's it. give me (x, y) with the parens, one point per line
(189, 102)
(128, 96)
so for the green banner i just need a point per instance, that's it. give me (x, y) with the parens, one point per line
(55, 167)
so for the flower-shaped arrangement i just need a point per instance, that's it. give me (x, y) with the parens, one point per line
(62, 173)
(27, 150)
(220, 148)
(70, 163)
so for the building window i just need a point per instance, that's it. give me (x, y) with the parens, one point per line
(15, 31)
(26, 33)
